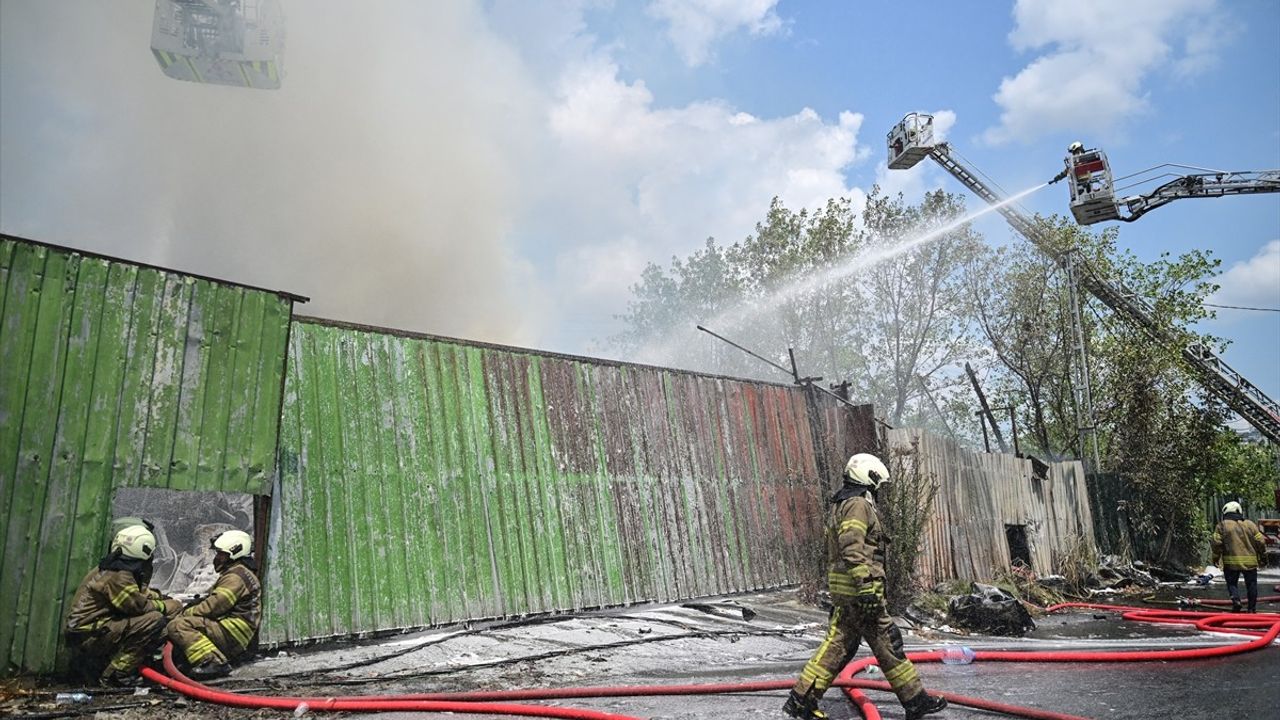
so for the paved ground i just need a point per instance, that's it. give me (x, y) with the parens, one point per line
(673, 644)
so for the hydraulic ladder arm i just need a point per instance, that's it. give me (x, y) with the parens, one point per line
(1202, 185)
(1214, 374)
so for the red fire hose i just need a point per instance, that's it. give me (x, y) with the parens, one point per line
(1264, 627)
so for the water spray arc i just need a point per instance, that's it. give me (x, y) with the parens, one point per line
(855, 265)
(850, 266)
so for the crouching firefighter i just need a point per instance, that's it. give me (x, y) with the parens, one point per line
(223, 624)
(115, 619)
(855, 577)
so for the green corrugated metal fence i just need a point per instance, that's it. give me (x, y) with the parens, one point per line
(426, 481)
(114, 374)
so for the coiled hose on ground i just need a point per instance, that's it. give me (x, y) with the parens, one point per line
(1264, 627)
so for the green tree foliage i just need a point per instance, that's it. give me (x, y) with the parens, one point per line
(1155, 426)
(859, 300)
(852, 294)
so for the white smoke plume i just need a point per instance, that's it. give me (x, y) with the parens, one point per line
(380, 179)
(484, 170)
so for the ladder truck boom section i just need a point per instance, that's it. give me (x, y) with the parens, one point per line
(1093, 190)
(912, 140)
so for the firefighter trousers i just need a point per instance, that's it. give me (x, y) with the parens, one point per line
(850, 625)
(122, 644)
(202, 638)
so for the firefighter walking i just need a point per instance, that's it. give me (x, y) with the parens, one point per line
(855, 578)
(1239, 548)
(223, 624)
(115, 618)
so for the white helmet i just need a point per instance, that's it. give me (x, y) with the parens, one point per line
(135, 541)
(235, 543)
(1075, 148)
(1232, 507)
(866, 469)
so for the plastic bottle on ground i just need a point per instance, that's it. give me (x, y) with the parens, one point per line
(957, 655)
(68, 698)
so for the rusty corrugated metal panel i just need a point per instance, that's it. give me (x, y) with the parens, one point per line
(427, 480)
(114, 374)
(979, 493)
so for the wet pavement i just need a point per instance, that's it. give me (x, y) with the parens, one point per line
(677, 645)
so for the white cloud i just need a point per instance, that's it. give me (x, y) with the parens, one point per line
(1097, 56)
(695, 25)
(654, 181)
(1252, 283)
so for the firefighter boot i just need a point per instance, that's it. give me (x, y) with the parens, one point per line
(924, 704)
(119, 678)
(804, 707)
(210, 668)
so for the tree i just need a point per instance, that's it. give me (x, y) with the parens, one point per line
(1155, 425)
(858, 298)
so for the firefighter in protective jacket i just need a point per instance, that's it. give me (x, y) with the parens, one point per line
(115, 619)
(1239, 548)
(223, 624)
(855, 577)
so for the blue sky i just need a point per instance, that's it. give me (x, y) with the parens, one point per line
(503, 170)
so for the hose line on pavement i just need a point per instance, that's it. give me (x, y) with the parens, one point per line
(1263, 629)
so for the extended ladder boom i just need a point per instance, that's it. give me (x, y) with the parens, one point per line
(1202, 185)
(912, 139)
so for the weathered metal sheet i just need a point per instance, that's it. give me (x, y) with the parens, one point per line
(979, 494)
(114, 374)
(426, 480)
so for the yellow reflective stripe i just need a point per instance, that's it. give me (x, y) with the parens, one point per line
(1240, 558)
(194, 71)
(271, 70)
(161, 58)
(226, 593)
(245, 75)
(902, 674)
(854, 524)
(123, 595)
(238, 629)
(123, 661)
(200, 649)
(871, 588)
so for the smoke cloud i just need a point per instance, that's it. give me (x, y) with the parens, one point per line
(380, 180)
(482, 170)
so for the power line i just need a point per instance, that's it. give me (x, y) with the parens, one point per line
(1241, 307)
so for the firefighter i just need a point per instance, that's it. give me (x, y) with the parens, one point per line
(855, 577)
(223, 624)
(1239, 548)
(115, 619)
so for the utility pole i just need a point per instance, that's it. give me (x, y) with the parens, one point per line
(1085, 423)
(986, 411)
(925, 387)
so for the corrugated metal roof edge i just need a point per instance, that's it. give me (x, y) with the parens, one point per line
(111, 258)
(532, 351)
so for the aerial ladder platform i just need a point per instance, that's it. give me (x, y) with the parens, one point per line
(1093, 189)
(911, 140)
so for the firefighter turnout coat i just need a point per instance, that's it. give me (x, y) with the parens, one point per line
(223, 624)
(1238, 544)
